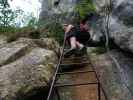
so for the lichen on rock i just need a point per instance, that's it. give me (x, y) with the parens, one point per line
(26, 67)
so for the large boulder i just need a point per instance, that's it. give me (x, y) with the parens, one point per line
(3, 39)
(121, 25)
(14, 50)
(26, 68)
(115, 73)
(47, 43)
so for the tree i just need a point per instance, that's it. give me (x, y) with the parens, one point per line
(7, 15)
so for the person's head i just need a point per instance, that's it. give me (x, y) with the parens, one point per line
(64, 26)
(86, 18)
(84, 21)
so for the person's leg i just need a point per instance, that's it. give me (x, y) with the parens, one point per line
(73, 42)
(78, 40)
(71, 51)
(81, 49)
(79, 45)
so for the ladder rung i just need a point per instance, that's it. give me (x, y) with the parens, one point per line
(76, 72)
(75, 58)
(74, 84)
(74, 64)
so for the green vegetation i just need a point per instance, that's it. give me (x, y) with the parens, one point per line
(6, 14)
(13, 27)
(52, 29)
(29, 32)
(29, 26)
(84, 7)
(7, 17)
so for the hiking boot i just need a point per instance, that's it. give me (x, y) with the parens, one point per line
(69, 52)
(82, 50)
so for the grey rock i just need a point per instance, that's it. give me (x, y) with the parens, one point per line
(49, 9)
(27, 66)
(48, 43)
(115, 73)
(3, 39)
(12, 51)
(120, 23)
(31, 71)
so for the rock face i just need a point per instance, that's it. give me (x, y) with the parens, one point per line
(3, 39)
(121, 26)
(120, 19)
(26, 68)
(51, 8)
(115, 73)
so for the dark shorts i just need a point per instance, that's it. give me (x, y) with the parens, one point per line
(70, 34)
(81, 36)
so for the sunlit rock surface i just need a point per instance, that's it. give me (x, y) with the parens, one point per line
(26, 67)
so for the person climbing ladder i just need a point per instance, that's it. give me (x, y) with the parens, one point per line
(77, 36)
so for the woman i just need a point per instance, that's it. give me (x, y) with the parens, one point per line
(77, 36)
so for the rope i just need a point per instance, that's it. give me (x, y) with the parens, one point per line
(56, 71)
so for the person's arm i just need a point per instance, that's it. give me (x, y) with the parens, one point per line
(91, 33)
(69, 27)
